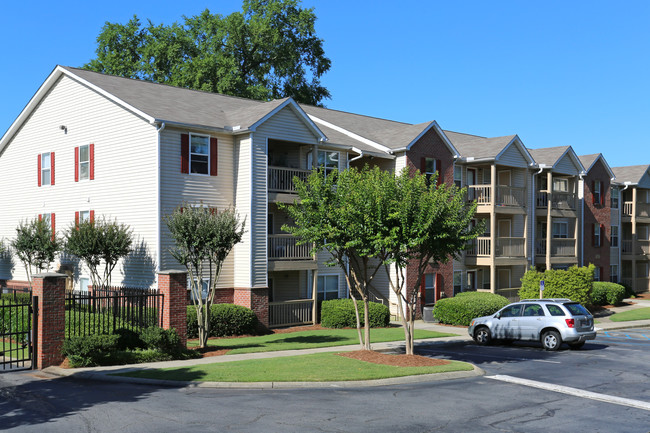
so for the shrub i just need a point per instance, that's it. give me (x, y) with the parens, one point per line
(575, 284)
(89, 350)
(164, 340)
(225, 320)
(128, 339)
(605, 293)
(462, 308)
(339, 313)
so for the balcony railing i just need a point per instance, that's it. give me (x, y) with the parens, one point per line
(479, 247)
(288, 313)
(642, 247)
(560, 200)
(281, 178)
(506, 195)
(285, 247)
(511, 247)
(560, 247)
(626, 246)
(642, 209)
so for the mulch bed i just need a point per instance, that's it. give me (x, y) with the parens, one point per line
(394, 360)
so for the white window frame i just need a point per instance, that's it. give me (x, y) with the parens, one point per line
(326, 168)
(47, 217)
(325, 291)
(597, 191)
(207, 173)
(613, 237)
(205, 289)
(597, 238)
(85, 163)
(561, 181)
(429, 288)
(84, 215)
(458, 176)
(613, 273)
(428, 173)
(46, 180)
(614, 198)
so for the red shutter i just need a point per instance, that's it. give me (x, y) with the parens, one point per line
(185, 153)
(76, 219)
(213, 156)
(40, 217)
(92, 216)
(52, 168)
(91, 163)
(438, 286)
(76, 164)
(440, 173)
(39, 169)
(53, 221)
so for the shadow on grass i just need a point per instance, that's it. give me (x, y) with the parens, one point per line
(310, 339)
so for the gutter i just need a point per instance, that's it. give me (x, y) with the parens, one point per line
(159, 129)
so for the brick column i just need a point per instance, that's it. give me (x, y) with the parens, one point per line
(50, 289)
(255, 299)
(173, 286)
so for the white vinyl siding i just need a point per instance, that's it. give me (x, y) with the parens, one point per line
(125, 168)
(513, 157)
(566, 166)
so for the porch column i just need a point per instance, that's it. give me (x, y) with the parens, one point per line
(493, 228)
(549, 219)
(314, 296)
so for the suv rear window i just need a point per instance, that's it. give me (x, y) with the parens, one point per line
(555, 310)
(576, 309)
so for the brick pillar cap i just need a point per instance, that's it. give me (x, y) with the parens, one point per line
(50, 275)
(172, 272)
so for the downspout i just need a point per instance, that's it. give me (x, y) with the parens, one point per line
(582, 220)
(159, 129)
(355, 158)
(532, 224)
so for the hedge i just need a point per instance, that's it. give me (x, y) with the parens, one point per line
(225, 320)
(575, 284)
(339, 313)
(462, 308)
(605, 293)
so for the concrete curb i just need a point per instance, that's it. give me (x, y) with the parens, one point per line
(106, 377)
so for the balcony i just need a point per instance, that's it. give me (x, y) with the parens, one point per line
(560, 247)
(285, 247)
(507, 196)
(559, 200)
(642, 247)
(290, 313)
(506, 247)
(281, 179)
(642, 209)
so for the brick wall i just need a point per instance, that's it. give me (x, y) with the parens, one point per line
(597, 214)
(255, 299)
(50, 289)
(173, 286)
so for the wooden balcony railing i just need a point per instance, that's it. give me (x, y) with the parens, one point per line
(642, 209)
(480, 193)
(626, 246)
(479, 247)
(511, 196)
(560, 247)
(560, 200)
(511, 247)
(281, 178)
(288, 313)
(642, 247)
(285, 247)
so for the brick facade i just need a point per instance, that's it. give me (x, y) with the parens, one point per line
(173, 286)
(255, 299)
(431, 145)
(50, 289)
(597, 214)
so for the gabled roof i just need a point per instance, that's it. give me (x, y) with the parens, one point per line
(551, 156)
(588, 161)
(631, 174)
(477, 147)
(158, 103)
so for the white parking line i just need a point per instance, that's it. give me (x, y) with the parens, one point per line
(638, 404)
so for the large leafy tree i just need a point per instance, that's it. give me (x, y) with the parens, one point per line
(203, 239)
(429, 223)
(35, 245)
(100, 244)
(267, 51)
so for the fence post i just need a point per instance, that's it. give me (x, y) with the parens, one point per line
(173, 286)
(50, 328)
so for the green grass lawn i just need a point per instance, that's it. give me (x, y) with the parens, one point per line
(309, 339)
(303, 368)
(13, 350)
(636, 314)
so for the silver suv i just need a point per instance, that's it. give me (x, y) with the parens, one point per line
(550, 321)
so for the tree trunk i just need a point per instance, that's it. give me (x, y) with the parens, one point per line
(366, 323)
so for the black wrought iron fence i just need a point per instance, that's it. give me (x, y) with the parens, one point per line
(104, 311)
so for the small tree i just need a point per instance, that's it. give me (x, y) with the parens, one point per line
(35, 245)
(100, 244)
(428, 223)
(203, 238)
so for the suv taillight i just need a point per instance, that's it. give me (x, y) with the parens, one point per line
(570, 323)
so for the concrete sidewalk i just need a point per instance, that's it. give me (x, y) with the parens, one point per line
(602, 319)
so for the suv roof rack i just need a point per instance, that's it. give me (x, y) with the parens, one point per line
(547, 300)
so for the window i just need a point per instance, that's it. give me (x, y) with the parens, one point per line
(597, 273)
(50, 220)
(533, 310)
(205, 287)
(561, 185)
(328, 287)
(198, 154)
(597, 238)
(561, 229)
(46, 169)
(328, 161)
(429, 289)
(83, 216)
(596, 186)
(84, 162)
(458, 282)
(555, 310)
(429, 168)
(614, 198)
(512, 311)
(458, 176)
(84, 282)
(613, 273)
(614, 236)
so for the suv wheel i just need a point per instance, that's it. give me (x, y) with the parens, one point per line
(551, 340)
(482, 336)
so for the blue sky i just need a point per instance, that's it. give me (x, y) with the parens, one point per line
(553, 72)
